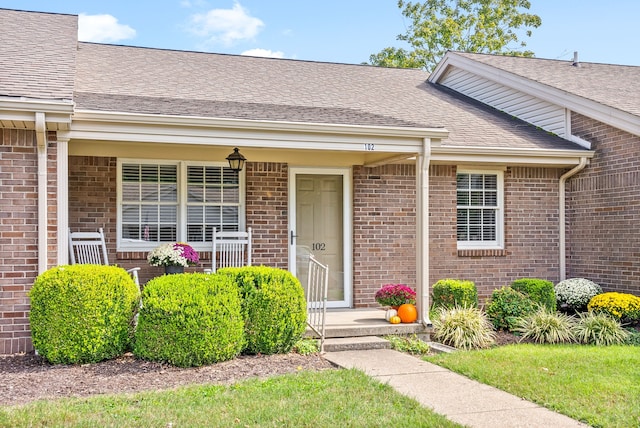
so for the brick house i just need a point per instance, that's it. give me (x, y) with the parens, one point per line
(388, 175)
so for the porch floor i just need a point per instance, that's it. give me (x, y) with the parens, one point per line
(366, 322)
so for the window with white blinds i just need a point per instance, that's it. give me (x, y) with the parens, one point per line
(176, 201)
(479, 209)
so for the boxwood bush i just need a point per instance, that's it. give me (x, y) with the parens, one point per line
(82, 313)
(273, 305)
(506, 306)
(448, 293)
(190, 319)
(540, 291)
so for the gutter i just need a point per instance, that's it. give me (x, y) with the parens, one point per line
(562, 210)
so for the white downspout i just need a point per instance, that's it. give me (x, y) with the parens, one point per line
(41, 142)
(563, 227)
(422, 232)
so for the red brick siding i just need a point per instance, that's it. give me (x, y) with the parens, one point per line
(604, 209)
(384, 227)
(19, 232)
(267, 212)
(531, 231)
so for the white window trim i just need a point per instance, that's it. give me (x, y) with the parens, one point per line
(498, 244)
(126, 245)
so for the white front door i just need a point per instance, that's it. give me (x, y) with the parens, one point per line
(319, 213)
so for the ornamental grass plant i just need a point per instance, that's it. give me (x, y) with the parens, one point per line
(463, 328)
(544, 326)
(599, 329)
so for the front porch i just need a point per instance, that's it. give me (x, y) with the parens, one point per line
(350, 329)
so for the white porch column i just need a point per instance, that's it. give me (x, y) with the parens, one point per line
(41, 147)
(63, 197)
(422, 232)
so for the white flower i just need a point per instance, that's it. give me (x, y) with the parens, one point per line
(167, 255)
(576, 292)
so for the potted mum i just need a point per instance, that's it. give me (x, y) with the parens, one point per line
(395, 295)
(173, 256)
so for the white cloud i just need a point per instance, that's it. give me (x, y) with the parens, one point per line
(266, 53)
(102, 28)
(226, 26)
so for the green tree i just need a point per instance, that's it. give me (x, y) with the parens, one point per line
(484, 26)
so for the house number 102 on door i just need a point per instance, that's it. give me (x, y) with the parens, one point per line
(369, 147)
(318, 246)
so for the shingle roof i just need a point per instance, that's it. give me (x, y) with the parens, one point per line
(611, 85)
(37, 54)
(156, 81)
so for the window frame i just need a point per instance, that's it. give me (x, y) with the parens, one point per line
(498, 243)
(181, 227)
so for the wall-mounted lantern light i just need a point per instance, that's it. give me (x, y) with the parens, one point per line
(236, 160)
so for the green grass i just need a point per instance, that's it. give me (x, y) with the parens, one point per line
(596, 385)
(305, 399)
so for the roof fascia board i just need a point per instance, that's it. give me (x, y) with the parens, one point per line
(500, 155)
(208, 131)
(31, 105)
(612, 116)
(267, 125)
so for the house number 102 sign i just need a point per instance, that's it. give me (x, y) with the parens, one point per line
(369, 147)
(318, 246)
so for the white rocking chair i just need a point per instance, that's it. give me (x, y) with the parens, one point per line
(90, 248)
(230, 249)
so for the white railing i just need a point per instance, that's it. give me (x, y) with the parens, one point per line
(317, 287)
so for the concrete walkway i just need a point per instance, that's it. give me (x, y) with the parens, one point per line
(458, 398)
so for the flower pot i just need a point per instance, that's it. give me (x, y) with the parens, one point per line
(173, 269)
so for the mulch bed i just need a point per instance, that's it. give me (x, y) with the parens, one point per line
(27, 377)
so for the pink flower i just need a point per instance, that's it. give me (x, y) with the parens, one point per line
(395, 295)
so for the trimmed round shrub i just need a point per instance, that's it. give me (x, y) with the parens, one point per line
(575, 293)
(599, 329)
(448, 293)
(273, 306)
(539, 290)
(624, 307)
(544, 326)
(463, 328)
(506, 305)
(190, 320)
(82, 313)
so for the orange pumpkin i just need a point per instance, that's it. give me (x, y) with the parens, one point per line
(395, 320)
(408, 313)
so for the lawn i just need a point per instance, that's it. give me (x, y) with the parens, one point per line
(597, 385)
(305, 399)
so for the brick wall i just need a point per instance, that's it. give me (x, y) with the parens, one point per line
(384, 230)
(531, 231)
(267, 212)
(384, 226)
(19, 232)
(604, 209)
(93, 204)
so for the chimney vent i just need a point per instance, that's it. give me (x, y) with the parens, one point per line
(576, 63)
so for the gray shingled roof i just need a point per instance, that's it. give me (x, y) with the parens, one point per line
(156, 81)
(615, 86)
(37, 54)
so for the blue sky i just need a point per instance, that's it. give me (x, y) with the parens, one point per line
(345, 31)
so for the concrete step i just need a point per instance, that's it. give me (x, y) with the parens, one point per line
(381, 329)
(359, 343)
